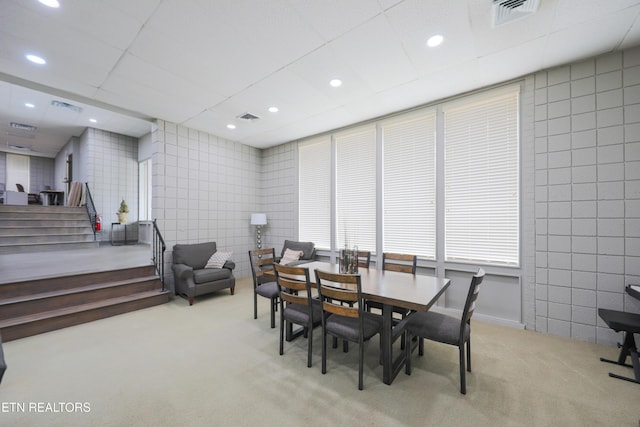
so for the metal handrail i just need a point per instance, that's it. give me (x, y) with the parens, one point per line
(158, 252)
(91, 210)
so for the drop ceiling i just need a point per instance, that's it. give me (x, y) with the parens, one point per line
(203, 63)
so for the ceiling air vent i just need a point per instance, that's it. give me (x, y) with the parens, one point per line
(66, 105)
(22, 126)
(509, 10)
(248, 116)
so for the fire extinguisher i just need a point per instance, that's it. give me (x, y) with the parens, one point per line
(98, 222)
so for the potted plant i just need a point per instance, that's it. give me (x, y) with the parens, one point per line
(122, 212)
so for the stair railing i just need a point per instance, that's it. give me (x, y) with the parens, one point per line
(158, 252)
(91, 211)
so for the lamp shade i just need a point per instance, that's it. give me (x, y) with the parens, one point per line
(258, 219)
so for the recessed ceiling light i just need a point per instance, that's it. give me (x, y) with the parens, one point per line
(336, 82)
(435, 40)
(93, 120)
(50, 3)
(230, 126)
(29, 105)
(273, 109)
(35, 59)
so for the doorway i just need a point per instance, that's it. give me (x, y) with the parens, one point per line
(69, 178)
(17, 172)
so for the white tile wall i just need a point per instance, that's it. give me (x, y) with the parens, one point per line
(587, 196)
(206, 187)
(109, 163)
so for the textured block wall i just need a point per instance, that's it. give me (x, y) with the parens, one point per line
(587, 193)
(204, 189)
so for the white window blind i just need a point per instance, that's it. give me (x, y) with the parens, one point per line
(356, 188)
(410, 185)
(314, 160)
(481, 179)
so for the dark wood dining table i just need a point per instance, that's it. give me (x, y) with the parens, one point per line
(391, 289)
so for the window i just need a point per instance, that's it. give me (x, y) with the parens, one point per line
(314, 219)
(356, 188)
(378, 185)
(481, 179)
(409, 185)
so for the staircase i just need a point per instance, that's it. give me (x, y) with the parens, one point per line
(36, 306)
(35, 228)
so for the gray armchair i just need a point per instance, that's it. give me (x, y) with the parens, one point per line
(308, 251)
(192, 278)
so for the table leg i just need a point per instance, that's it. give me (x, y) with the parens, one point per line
(390, 366)
(387, 344)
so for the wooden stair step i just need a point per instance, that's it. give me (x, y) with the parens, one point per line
(33, 324)
(79, 289)
(35, 303)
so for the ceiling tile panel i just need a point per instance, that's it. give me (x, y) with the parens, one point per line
(374, 51)
(333, 18)
(578, 41)
(202, 62)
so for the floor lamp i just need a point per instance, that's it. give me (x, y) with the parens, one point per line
(258, 219)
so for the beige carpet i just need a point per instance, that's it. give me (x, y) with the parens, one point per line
(213, 364)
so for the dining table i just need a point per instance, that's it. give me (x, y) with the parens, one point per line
(392, 289)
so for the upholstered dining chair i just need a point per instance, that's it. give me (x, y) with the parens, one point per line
(364, 259)
(403, 263)
(296, 305)
(264, 280)
(446, 329)
(344, 316)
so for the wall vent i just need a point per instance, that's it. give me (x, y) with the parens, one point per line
(509, 10)
(248, 116)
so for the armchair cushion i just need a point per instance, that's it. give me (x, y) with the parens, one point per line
(308, 249)
(218, 259)
(290, 256)
(194, 255)
(210, 275)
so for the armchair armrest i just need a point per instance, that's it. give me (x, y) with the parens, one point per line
(229, 264)
(182, 271)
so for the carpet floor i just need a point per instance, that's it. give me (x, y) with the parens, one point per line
(212, 364)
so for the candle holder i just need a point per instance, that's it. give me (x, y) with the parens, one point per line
(348, 260)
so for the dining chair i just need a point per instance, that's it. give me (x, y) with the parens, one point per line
(264, 280)
(403, 263)
(296, 305)
(364, 259)
(445, 329)
(344, 316)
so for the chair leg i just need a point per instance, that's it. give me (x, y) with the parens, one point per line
(421, 347)
(309, 345)
(469, 355)
(463, 379)
(407, 355)
(255, 305)
(360, 365)
(345, 346)
(273, 312)
(282, 322)
(324, 351)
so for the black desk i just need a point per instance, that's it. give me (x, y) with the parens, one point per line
(126, 242)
